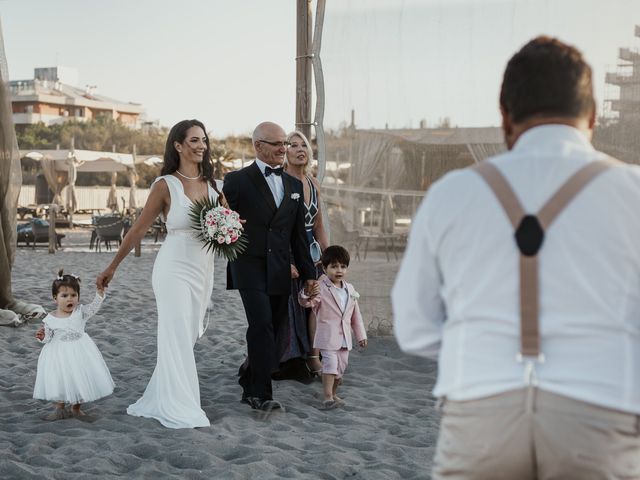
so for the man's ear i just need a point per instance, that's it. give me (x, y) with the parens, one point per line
(592, 119)
(507, 124)
(507, 127)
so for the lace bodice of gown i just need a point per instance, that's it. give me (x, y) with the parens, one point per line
(71, 327)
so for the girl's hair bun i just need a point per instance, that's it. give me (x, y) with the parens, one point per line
(66, 280)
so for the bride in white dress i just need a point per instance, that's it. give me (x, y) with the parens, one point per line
(182, 278)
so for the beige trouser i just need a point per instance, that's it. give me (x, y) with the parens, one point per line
(532, 434)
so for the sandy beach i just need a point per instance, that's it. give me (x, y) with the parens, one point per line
(387, 430)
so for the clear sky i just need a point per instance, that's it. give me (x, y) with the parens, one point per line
(399, 62)
(231, 63)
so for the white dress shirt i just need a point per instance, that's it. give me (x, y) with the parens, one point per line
(343, 295)
(274, 181)
(456, 296)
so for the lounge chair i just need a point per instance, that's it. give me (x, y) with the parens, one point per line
(37, 231)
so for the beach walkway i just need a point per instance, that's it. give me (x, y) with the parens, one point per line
(387, 430)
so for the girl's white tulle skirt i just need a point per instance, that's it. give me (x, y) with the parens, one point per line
(72, 372)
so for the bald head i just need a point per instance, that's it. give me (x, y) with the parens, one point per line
(268, 141)
(263, 130)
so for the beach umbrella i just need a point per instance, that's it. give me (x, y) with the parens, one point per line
(72, 198)
(132, 175)
(56, 179)
(112, 199)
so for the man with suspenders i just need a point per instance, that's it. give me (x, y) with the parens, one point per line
(522, 277)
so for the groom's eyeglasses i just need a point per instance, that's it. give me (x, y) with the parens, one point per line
(276, 144)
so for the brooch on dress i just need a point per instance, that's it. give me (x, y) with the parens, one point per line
(295, 196)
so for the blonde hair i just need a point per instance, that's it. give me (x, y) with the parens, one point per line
(297, 133)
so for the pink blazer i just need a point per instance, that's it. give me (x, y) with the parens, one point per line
(331, 322)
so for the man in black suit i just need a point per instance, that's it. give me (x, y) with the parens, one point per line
(272, 203)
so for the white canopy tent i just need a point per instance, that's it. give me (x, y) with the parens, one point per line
(61, 167)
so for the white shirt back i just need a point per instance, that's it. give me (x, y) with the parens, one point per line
(457, 293)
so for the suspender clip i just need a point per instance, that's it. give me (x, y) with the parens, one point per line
(530, 377)
(520, 358)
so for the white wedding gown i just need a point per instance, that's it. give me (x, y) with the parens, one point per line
(182, 283)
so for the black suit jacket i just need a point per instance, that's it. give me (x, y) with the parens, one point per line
(273, 233)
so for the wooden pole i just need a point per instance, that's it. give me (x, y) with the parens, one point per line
(72, 159)
(304, 78)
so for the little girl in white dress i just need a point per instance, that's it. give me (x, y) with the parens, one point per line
(70, 367)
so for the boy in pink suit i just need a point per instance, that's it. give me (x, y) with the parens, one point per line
(335, 304)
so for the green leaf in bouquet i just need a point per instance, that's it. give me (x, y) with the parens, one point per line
(197, 212)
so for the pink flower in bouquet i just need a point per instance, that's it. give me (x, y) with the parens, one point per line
(219, 228)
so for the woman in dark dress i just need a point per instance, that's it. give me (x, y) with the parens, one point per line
(298, 359)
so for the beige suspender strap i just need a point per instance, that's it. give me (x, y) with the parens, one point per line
(570, 189)
(503, 192)
(529, 332)
(529, 305)
(529, 301)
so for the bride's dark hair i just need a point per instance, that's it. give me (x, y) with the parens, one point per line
(171, 158)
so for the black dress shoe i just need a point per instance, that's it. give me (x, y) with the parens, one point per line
(266, 405)
(251, 401)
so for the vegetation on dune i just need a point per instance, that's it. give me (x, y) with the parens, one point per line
(105, 134)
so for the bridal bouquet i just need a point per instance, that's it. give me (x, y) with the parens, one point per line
(218, 227)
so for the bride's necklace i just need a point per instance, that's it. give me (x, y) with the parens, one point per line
(188, 178)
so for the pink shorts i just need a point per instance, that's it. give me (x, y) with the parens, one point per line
(334, 362)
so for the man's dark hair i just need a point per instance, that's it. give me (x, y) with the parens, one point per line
(335, 254)
(547, 78)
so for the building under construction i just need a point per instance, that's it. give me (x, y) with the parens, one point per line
(626, 105)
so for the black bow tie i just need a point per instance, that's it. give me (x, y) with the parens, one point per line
(276, 171)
